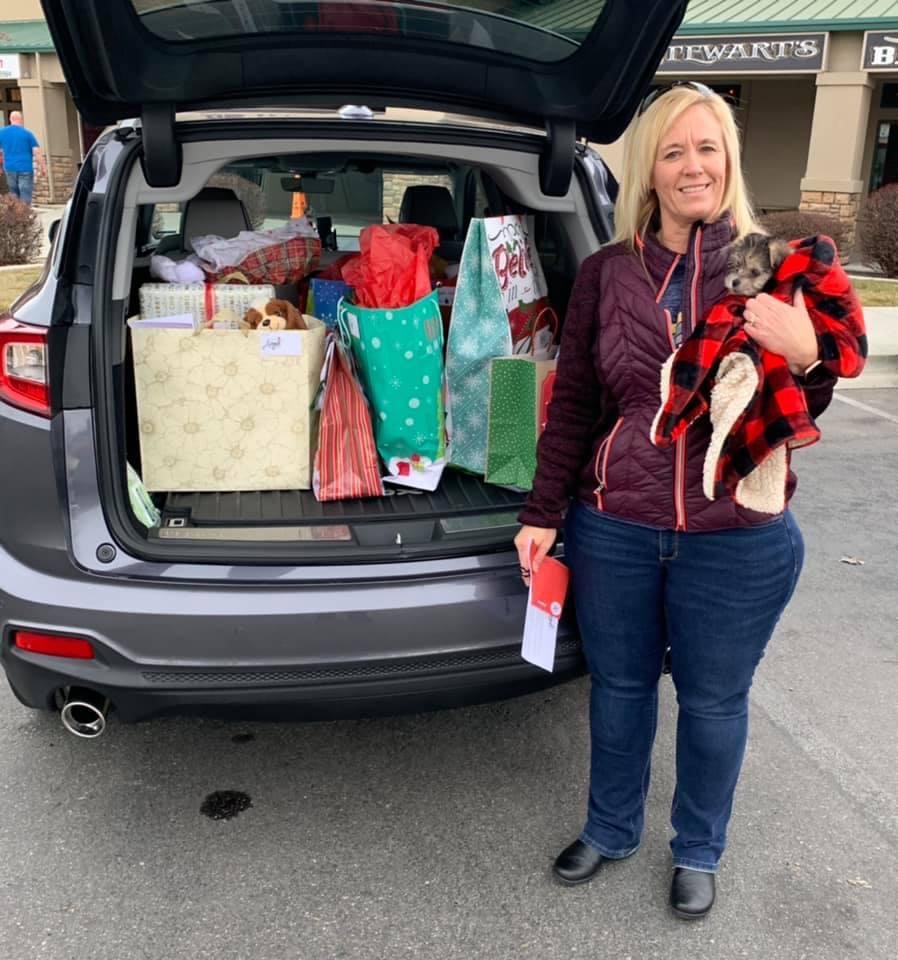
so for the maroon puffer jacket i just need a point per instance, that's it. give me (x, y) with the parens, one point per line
(616, 336)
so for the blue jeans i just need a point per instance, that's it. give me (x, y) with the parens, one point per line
(20, 185)
(714, 598)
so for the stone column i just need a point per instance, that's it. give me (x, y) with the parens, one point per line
(833, 183)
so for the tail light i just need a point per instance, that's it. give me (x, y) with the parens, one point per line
(53, 644)
(24, 373)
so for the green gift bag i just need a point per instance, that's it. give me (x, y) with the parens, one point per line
(520, 392)
(500, 300)
(399, 354)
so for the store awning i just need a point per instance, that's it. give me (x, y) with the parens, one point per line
(713, 16)
(573, 17)
(25, 36)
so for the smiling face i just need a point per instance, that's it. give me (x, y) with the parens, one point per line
(689, 174)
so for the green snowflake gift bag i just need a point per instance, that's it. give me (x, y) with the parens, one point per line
(399, 354)
(478, 332)
(520, 392)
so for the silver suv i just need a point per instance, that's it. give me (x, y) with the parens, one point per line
(272, 601)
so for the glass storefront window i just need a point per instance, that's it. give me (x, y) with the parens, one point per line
(10, 99)
(885, 155)
(889, 98)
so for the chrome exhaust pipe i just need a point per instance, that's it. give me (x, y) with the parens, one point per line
(84, 712)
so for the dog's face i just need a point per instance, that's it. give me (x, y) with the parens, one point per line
(273, 322)
(752, 263)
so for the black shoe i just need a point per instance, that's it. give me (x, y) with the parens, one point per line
(577, 863)
(691, 893)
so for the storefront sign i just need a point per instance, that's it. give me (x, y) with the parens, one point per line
(880, 50)
(9, 66)
(755, 53)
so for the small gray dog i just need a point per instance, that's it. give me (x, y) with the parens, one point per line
(752, 263)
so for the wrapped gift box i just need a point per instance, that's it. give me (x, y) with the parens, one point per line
(202, 300)
(227, 410)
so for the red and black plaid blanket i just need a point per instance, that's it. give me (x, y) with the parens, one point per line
(773, 411)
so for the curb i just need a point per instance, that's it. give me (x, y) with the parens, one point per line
(880, 372)
(882, 363)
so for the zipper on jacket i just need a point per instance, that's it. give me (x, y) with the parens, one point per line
(666, 282)
(680, 446)
(693, 291)
(680, 482)
(601, 469)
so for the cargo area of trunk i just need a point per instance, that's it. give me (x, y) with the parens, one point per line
(463, 510)
(463, 516)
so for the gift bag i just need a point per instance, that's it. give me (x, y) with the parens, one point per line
(392, 268)
(346, 464)
(518, 272)
(399, 353)
(324, 297)
(520, 392)
(500, 303)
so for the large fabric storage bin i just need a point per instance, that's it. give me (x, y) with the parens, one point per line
(227, 410)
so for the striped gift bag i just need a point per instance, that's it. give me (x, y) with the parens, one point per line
(346, 464)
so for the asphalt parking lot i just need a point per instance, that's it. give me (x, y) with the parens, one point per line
(433, 835)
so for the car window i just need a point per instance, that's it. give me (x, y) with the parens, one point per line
(166, 221)
(548, 30)
(340, 196)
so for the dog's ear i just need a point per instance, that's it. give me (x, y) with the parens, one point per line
(753, 242)
(779, 250)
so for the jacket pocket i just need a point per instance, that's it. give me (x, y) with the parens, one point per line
(601, 467)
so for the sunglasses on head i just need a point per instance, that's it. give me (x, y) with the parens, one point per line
(653, 95)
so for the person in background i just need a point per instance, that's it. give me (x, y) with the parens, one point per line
(653, 562)
(20, 154)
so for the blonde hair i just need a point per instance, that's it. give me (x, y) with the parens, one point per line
(637, 203)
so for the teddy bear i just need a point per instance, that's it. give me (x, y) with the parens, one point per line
(274, 315)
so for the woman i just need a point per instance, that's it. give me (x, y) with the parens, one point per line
(654, 563)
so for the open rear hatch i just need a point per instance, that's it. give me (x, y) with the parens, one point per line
(579, 68)
(575, 69)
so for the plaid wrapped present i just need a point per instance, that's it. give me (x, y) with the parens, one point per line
(288, 261)
(758, 411)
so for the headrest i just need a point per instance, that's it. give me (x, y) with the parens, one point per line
(431, 206)
(214, 210)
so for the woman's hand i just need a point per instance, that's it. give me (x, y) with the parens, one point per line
(783, 329)
(541, 538)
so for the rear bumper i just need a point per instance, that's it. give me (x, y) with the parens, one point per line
(313, 651)
(428, 686)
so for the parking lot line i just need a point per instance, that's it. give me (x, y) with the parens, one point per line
(866, 407)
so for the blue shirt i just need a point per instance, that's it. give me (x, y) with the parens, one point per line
(17, 143)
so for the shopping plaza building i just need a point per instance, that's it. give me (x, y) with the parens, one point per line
(814, 84)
